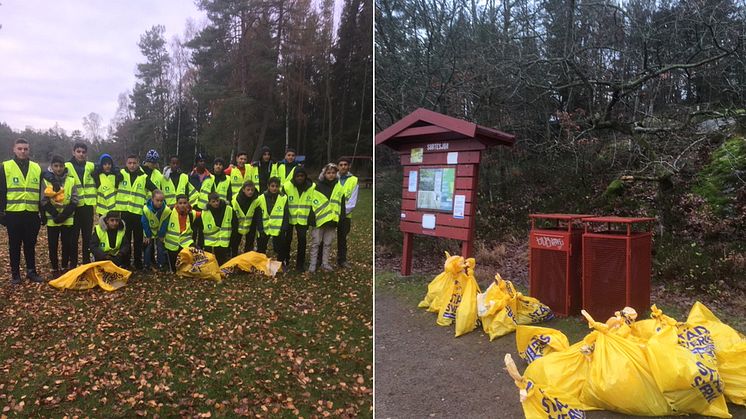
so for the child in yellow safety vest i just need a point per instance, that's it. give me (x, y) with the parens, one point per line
(107, 241)
(248, 218)
(58, 200)
(274, 215)
(217, 224)
(179, 229)
(328, 204)
(154, 216)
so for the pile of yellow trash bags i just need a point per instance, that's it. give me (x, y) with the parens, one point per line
(652, 367)
(191, 262)
(455, 295)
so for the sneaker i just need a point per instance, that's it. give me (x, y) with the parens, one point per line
(327, 268)
(15, 279)
(343, 265)
(311, 269)
(35, 277)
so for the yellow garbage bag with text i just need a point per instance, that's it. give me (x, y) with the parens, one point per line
(730, 350)
(496, 308)
(534, 342)
(252, 262)
(196, 263)
(682, 361)
(539, 402)
(436, 296)
(458, 302)
(104, 274)
(619, 377)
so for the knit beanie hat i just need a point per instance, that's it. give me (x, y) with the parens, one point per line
(152, 156)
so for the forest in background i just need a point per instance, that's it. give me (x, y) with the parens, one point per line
(257, 73)
(619, 107)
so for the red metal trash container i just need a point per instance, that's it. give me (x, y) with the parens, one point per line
(616, 265)
(554, 264)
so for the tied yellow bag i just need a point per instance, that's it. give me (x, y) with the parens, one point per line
(252, 262)
(436, 297)
(730, 350)
(196, 263)
(619, 378)
(682, 361)
(461, 304)
(535, 342)
(105, 274)
(538, 402)
(496, 308)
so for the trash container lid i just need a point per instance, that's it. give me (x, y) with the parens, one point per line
(561, 217)
(621, 220)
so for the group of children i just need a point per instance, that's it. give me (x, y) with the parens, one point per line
(147, 216)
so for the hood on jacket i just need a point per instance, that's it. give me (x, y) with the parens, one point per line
(49, 176)
(102, 224)
(152, 208)
(105, 157)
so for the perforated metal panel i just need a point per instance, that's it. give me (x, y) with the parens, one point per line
(604, 275)
(548, 271)
(641, 265)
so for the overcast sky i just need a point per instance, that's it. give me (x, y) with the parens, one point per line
(62, 59)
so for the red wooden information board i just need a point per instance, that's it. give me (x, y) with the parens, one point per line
(440, 156)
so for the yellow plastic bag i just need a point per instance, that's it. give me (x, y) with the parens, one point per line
(619, 378)
(538, 402)
(535, 342)
(466, 313)
(196, 263)
(105, 274)
(730, 350)
(529, 310)
(682, 361)
(436, 297)
(496, 308)
(252, 262)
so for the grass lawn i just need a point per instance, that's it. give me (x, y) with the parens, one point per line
(294, 345)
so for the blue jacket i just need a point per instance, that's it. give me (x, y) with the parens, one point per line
(146, 225)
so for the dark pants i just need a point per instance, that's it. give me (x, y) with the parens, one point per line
(23, 229)
(279, 245)
(302, 231)
(222, 254)
(198, 236)
(54, 236)
(172, 255)
(82, 226)
(343, 229)
(133, 233)
(248, 244)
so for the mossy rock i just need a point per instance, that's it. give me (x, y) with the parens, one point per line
(723, 176)
(615, 189)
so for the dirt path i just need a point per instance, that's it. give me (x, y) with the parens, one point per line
(421, 370)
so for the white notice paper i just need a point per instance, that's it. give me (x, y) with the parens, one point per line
(412, 181)
(459, 203)
(428, 221)
(452, 157)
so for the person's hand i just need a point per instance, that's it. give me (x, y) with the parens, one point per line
(146, 241)
(59, 218)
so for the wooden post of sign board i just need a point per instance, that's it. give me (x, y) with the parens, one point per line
(430, 142)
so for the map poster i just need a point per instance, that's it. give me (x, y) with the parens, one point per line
(435, 189)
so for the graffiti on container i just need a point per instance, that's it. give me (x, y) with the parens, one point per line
(551, 242)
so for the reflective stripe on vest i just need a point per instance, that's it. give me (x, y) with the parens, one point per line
(272, 222)
(103, 239)
(153, 220)
(171, 192)
(176, 239)
(208, 186)
(87, 188)
(106, 195)
(237, 180)
(217, 235)
(299, 205)
(244, 219)
(70, 183)
(327, 210)
(23, 193)
(131, 198)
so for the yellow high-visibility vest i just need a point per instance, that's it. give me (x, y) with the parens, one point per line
(272, 222)
(106, 195)
(327, 210)
(217, 235)
(272, 173)
(209, 186)
(154, 221)
(70, 183)
(103, 238)
(171, 192)
(299, 205)
(131, 197)
(86, 186)
(349, 186)
(176, 239)
(237, 180)
(23, 192)
(244, 218)
(281, 173)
